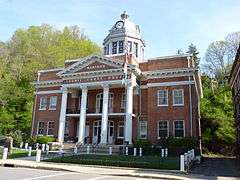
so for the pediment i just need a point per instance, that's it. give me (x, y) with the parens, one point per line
(92, 63)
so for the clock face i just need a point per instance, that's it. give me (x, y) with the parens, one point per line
(119, 24)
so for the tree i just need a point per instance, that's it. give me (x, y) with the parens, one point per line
(192, 49)
(31, 49)
(220, 56)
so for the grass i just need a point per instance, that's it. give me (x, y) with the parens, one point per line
(17, 153)
(153, 162)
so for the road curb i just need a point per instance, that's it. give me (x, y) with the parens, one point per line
(47, 166)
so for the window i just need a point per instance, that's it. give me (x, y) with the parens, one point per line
(120, 129)
(106, 49)
(123, 101)
(136, 49)
(40, 130)
(162, 129)
(178, 97)
(130, 46)
(43, 103)
(179, 128)
(143, 129)
(114, 48)
(53, 103)
(162, 96)
(50, 128)
(120, 47)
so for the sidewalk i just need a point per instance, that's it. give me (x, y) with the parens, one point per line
(114, 171)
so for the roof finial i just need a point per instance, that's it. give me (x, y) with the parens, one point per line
(124, 15)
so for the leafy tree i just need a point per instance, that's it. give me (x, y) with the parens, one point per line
(220, 55)
(31, 49)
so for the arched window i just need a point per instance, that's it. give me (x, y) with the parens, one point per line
(99, 102)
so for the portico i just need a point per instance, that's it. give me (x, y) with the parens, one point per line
(101, 126)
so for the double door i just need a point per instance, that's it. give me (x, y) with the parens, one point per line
(97, 132)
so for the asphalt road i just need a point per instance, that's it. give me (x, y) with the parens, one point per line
(36, 174)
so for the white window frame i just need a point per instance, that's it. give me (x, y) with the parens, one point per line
(50, 103)
(122, 126)
(38, 128)
(173, 93)
(158, 97)
(51, 128)
(140, 129)
(41, 102)
(174, 128)
(159, 129)
(123, 100)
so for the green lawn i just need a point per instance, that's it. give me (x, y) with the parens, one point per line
(16, 153)
(154, 162)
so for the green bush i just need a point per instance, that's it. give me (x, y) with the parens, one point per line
(32, 140)
(45, 139)
(177, 146)
(143, 143)
(17, 137)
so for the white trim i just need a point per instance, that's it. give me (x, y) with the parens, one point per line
(173, 101)
(50, 70)
(159, 105)
(49, 92)
(169, 57)
(183, 128)
(163, 84)
(158, 128)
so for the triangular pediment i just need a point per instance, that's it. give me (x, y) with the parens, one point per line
(92, 63)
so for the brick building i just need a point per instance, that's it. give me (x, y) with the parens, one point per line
(235, 86)
(87, 101)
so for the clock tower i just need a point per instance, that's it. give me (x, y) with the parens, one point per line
(123, 32)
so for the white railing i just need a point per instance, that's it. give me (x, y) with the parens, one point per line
(186, 160)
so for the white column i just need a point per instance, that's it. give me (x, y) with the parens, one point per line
(129, 111)
(104, 126)
(82, 120)
(62, 118)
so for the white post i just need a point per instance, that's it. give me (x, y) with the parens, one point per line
(21, 145)
(182, 164)
(104, 125)
(162, 150)
(37, 146)
(134, 151)
(29, 151)
(140, 152)
(193, 153)
(5, 153)
(186, 158)
(129, 111)
(47, 149)
(75, 149)
(82, 120)
(126, 151)
(166, 152)
(26, 146)
(38, 155)
(110, 150)
(43, 147)
(88, 149)
(62, 117)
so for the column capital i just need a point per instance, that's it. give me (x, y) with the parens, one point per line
(64, 89)
(105, 86)
(84, 88)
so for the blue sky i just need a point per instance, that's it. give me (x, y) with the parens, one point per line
(166, 25)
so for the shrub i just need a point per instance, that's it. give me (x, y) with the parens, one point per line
(143, 143)
(179, 146)
(32, 140)
(45, 139)
(17, 137)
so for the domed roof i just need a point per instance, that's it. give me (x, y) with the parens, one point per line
(124, 27)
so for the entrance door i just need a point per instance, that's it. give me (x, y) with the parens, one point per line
(97, 132)
(110, 132)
